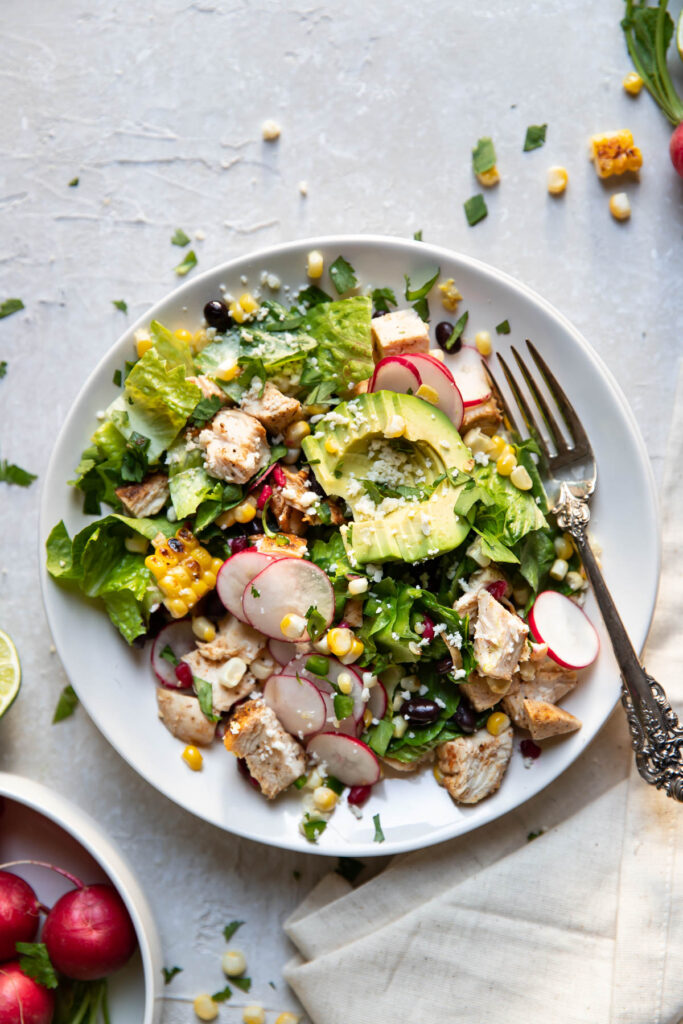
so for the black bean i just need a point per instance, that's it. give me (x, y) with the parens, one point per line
(216, 315)
(420, 710)
(464, 718)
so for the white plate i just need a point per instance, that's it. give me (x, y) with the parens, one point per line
(115, 683)
(38, 824)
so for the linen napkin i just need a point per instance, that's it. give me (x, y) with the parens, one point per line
(583, 925)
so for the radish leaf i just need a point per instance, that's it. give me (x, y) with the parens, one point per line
(35, 962)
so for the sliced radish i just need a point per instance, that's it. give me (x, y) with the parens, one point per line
(349, 726)
(377, 705)
(347, 758)
(434, 374)
(469, 376)
(235, 574)
(298, 704)
(178, 636)
(395, 373)
(284, 651)
(327, 685)
(288, 586)
(557, 621)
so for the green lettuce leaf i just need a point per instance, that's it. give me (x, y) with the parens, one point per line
(189, 482)
(226, 348)
(344, 347)
(505, 512)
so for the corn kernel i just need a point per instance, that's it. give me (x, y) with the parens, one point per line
(357, 648)
(450, 296)
(574, 580)
(564, 547)
(633, 83)
(287, 1018)
(477, 441)
(270, 131)
(497, 723)
(248, 302)
(233, 963)
(143, 345)
(615, 153)
(482, 340)
(179, 565)
(477, 555)
(183, 335)
(292, 626)
(205, 1007)
(227, 370)
(340, 641)
(236, 312)
(245, 512)
(521, 595)
(521, 479)
(438, 774)
(176, 607)
(505, 463)
(199, 340)
(437, 353)
(558, 570)
(324, 798)
(314, 780)
(194, 760)
(498, 446)
(295, 433)
(395, 427)
(137, 545)
(253, 1014)
(331, 447)
(558, 180)
(488, 178)
(400, 725)
(428, 394)
(367, 718)
(226, 519)
(398, 701)
(357, 586)
(231, 674)
(292, 456)
(314, 410)
(203, 629)
(322, 645)
(345, 682)
(620, 206)
(315, 264)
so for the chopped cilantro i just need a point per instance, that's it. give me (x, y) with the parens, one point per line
(204, 410)
(483, 156)
(382, 298)
(503, 327)
(475, 209)
(458, 328)
(418, 295)
(243, 983)
(296, 875)
(117, 379)
(312, 296)
(321, 393)
(317, 624)
(3, 368)
(74, 182)
(220, 997)
(534, 835)
(313, 828)
(66, 705)
(230, 929)
(135, 464)
(204, 692)
(35, 962)
(169, 973)
(535, 136)
(10, 306)
(120, 304)
(189, 261)
(255, 592)
(300, 782)
(168, 655)
(379, 835)
(334, 784)
(343, 275)
(11, 474)
(417, 235)
(180, 238)
(349, 868)
(272, 983)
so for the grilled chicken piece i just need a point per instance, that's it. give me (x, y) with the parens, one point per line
(485, 415)
(208, 387)
(484, 691)
(399, 332)
(146, 498)
(295, 546)
(548, 683)
(274, 758)
(499, 638)
(234, 445)
(273, 409)
(183, 717)
(234, 639)
(473, 766)
(546, 720)
(292, 504)
(468, 603)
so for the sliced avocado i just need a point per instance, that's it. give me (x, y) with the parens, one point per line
(353, 444)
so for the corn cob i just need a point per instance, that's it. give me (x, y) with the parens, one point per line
(183, 569)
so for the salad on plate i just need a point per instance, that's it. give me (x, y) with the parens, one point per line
(343, 563)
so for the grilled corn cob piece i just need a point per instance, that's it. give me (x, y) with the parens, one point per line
(614, 153)
(183, 569)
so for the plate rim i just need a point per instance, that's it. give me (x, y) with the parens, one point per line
(412, 247)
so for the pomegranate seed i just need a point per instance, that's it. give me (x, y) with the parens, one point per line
(497, 589)
(427, 628)
(343, 625)
(266, 493)
(530, 749)
(238, 544)
(183, 674)
(359, 795)
(279, 478)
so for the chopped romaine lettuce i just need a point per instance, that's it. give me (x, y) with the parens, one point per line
(343, 354)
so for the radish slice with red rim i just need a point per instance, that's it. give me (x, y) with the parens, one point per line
(349, 726)
(235, 574)
(434, 374)
(470, 377)
(179, 639)
(377, 704)
(395, 373)
(329, 682)
(288, 586)
(284, 651)
(298, 704)
(347, 758)
(570, 635)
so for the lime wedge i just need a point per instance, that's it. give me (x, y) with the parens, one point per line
(10, 672)
(679, 35)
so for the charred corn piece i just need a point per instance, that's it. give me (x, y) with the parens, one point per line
(614, 153)
(183, 569)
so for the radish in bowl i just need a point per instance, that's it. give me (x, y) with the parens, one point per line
(470, 377)
(282, 593)
(558, 621)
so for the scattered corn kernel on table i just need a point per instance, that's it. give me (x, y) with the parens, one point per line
(126, 123)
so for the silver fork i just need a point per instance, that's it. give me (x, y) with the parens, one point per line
(656, 733)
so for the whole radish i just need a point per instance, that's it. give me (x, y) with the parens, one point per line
(89, 933)
(676, 149)
(23, 1000)
(19, 914)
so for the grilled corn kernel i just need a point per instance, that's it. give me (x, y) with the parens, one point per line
(574, 580)
(233, 963)
(505, 463)
(324, 798)
(199, 340)
(248, 303)
(295, 433)
(254, 1014)
(345, 682)
(194, 760)
(287, 1018)
(183, 569)
(498, 445)
(270, 131)
(331, 447)
(400, 725)
(236, 312)
(633, 83)
(477, 441)
(558, 179)
(292, 626)
(245, 512)
(620, 206)
(614, 153)
(558, 570)
(450, 296)
(205, 1007)
(227, 370)
(358, 586)
(315, 264)
(143, 345)
(226, 519)
(521, 479)
(564, 547)
(482, 340)
(395, 427)
(137, 545)
(340, 641)
(438, 774)
(488, 178)
(203, 629)
(357, 648)
(428, 394)
(497, 723)
(183, 335)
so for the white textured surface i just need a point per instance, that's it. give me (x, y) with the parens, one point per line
(157, 108)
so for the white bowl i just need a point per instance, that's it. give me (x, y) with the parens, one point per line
(115, 683)
(39, 824)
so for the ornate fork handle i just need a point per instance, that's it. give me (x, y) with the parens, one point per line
(656, 733)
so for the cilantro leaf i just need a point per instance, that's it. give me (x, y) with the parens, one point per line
(120, 304)
(66, 705)
(243, 983)
(11, 474)
(74, 182)
(379, 835)
(535, 137)
(220, 997)
(456, 333)
(475, 209)
(311, 296)
(382, 298)
(117, 379)
(3, 368)
(483, 156)
(349, 868)
(180, 238)
(35, 962)
(169, 973)
(417, 235)
(189, 261)
(204, 692)
(317, 624)
(313, 828)
(204, 410)
(343, 275)
(503, 327)
(135, 463)
(10, 306)
(321, 394)
(420, 291)
(230, 929)
(168, 655)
